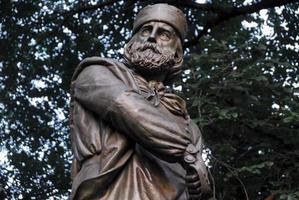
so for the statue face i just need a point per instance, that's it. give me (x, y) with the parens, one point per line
(154, 49)
(160, 33)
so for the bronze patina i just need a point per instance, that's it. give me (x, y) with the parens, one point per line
(131, 139)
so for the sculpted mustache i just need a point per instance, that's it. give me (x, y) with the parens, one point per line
(154, 47)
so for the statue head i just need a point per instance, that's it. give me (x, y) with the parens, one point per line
(156, 45)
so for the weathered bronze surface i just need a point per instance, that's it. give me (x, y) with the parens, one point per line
(131, 139)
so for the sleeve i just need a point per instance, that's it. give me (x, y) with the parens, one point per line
(100, 91)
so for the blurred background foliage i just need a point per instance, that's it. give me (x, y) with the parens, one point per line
(240, 80)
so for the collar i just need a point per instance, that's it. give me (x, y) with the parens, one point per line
(155, 92)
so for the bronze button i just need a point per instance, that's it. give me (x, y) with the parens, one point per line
(191, 149)
(189, 158)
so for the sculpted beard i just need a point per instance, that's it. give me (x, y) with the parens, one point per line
(149, 57)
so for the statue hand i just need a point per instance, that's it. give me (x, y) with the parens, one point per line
(193, 184)
(197, 177)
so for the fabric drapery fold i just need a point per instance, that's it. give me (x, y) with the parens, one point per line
(134, 133)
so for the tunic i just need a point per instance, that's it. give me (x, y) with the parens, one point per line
(128, 135)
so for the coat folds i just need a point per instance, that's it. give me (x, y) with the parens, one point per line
(126, 145)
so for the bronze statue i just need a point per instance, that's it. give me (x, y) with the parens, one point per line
(131, 139)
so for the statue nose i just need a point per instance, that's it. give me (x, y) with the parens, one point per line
(152, 36)
(151, 39)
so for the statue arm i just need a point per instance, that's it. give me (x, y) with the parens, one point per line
(100, 91)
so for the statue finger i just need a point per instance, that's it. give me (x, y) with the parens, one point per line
(194, 191)
(196, 184)
(192, 178)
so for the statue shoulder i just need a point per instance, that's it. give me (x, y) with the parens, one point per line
(100, 61)
(103, 66)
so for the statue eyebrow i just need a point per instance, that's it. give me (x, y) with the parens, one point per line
(147, 26)
(167, 28)
(161, 29)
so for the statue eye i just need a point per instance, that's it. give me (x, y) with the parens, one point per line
(164, 35)
(145, 31)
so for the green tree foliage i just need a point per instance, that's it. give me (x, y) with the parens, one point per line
(240, 80)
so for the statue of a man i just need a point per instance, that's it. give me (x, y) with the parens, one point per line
(131, 139)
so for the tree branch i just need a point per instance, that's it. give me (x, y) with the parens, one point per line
(91, 7)
(189, 4)
(237, 11)
(223, 13)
